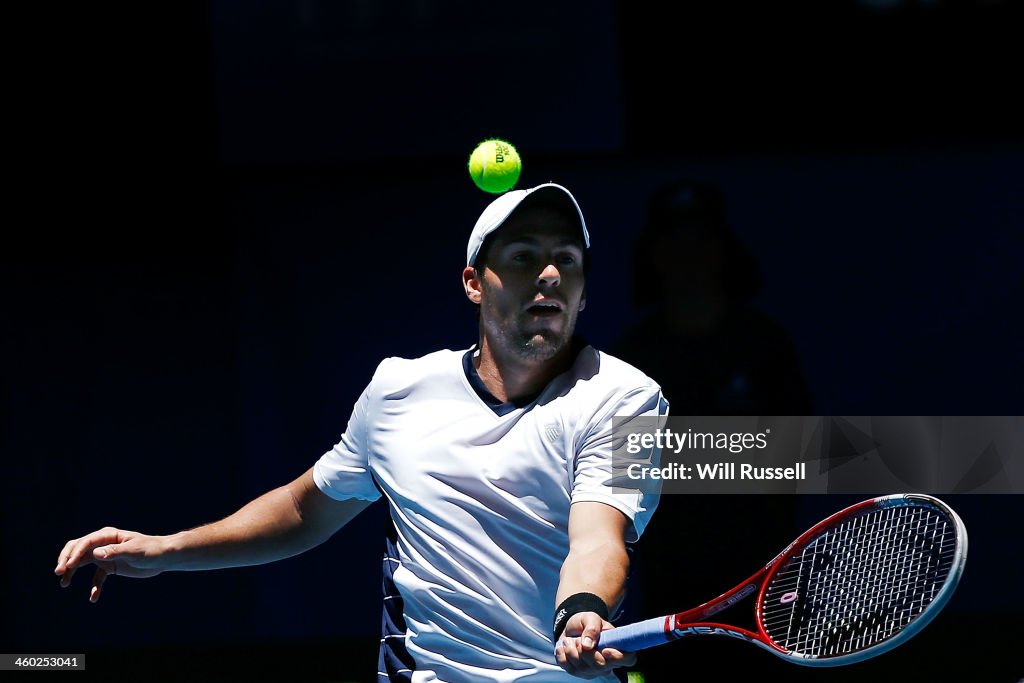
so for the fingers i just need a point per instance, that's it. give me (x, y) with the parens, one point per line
(579, 652)
(62, 569)
(63, 556)
(79, 551)
(106, 552)
(86, 550)
(589, 627)
(97, 581)
(570, 656)
(617, 658)
(65, 579)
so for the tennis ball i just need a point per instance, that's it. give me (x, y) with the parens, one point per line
(495, 166)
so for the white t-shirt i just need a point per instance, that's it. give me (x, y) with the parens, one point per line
(480, 498)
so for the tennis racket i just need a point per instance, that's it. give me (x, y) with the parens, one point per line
(857, 584)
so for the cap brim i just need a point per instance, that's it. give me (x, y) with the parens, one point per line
(499, 211)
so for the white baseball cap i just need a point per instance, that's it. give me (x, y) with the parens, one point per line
(498, 211)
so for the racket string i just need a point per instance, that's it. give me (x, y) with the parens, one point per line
(860, 582)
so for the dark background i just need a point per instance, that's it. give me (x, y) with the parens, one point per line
(225, 214)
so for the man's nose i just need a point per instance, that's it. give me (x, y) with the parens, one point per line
(549, 276)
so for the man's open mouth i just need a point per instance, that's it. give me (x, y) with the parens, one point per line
(545, 308)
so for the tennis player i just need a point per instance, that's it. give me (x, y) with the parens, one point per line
(509, 554)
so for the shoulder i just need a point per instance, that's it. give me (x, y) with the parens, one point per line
(432, 362)
(605, 382)
(396, 374)
(611, 371)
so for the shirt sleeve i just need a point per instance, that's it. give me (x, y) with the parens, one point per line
(344, 472)
(594, 476)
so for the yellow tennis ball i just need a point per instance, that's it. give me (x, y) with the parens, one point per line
(495, 166)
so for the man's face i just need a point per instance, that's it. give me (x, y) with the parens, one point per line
(531, 288)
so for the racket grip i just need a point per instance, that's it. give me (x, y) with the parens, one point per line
(636, 636)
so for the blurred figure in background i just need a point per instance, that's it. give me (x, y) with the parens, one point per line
(714, 353)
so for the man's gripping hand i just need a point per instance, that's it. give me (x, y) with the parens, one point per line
(576, 649)
(113, 551)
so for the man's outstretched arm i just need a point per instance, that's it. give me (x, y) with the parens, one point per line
(281, 523)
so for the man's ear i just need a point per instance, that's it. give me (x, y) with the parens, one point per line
(583, 300)
(471, 283)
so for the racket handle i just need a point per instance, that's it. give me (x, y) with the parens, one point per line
(636, 636)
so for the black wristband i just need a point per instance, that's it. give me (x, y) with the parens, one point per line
(574, 604)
